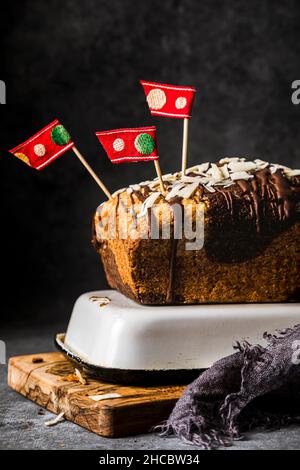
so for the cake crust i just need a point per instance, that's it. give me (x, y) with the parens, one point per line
(251, 247)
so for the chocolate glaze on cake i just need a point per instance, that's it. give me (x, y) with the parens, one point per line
(251, 236)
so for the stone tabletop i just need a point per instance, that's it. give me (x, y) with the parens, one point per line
(22, 422)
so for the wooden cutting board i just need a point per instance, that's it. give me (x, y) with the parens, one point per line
(47, 380)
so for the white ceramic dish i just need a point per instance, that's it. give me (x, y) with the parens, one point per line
(124, 339)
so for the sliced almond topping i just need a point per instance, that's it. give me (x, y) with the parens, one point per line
(216, 173)
(168, 177)
(80, 378)
(276, 166)
(203, 167)
(105, 396)
(213, 182)
(119, 191)
(58, 419)
(240, 175)
(241, 166)
(102, 300)
(291, 173)
(204, 179)
(225, 170)
(261, 163)
(229, 170)
(135, 187)
(174, 191)
(198, 168)
(209, 188)
(273, 169)
(148, 203)
(229, 159)
(224, 183)
(188, 190)
(190, 179)
(153, 184)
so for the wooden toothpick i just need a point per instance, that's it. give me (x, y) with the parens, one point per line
(91, 172)
(158, 171)
(185, 145)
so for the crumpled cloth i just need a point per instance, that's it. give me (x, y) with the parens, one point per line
(256, 386)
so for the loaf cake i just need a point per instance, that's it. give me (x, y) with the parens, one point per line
(250, 250)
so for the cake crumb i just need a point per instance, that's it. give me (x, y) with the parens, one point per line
(80, 377)
(75, 377)
(37, 360)
(70, 378)
(58, 419)
(102, 300)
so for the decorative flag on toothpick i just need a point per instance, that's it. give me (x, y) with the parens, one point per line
(174, 102)
(46, 145)
(131, 145)
(169, 100)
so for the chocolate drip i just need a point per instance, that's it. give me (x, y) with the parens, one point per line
(274, 189)
(146, 191)
(254, 191)
(200, 191)
(228, 199)
(257, 191)
(284, 195)
(174, 243)
(94, 240)
(149, 228)
(262, 178)
(170, 289)
(133, 213)
(266, 193)
(250, 192)
(116, 214)
(139, 195)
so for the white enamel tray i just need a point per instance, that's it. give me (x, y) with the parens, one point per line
(127, 342)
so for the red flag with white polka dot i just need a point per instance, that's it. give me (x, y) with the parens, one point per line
(45, 146)
(129, 144)
(169, 100)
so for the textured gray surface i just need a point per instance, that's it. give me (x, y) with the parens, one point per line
(22, 425)
(80, 61)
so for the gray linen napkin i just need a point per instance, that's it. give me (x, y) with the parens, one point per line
(255, 386)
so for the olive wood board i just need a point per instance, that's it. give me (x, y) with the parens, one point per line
(44, 379)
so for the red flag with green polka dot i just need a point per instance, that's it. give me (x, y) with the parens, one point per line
(45, 146)
(129, 144)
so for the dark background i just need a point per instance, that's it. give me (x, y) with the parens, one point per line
(80, 62)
